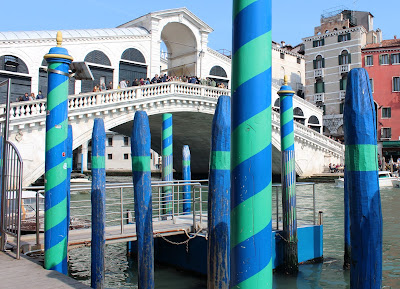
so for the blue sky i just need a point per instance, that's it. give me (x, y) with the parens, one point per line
(292, 19)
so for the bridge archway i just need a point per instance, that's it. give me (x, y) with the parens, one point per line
(182, 53)
(15, 68)
(100, 65)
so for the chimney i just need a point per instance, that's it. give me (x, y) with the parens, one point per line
(395, 37)
(283, 43)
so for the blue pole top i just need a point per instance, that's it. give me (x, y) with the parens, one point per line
(58, 53)
(285, 88)
(141, 138)
(98, 135)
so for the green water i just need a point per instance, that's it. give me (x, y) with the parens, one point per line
(121, 271)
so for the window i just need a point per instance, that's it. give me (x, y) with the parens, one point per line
(341, 109)
(319, 62)
(110, 141)
(126, 141)
(395, 58)
(371, 83)
(396, 83)
(10, 63)
(282, 55)
(369, 60)
(343, 82)
(318, 43)
(386, 112)
(344, 58)
(298, 60)
(126, 156)
(344, 37)
(386, 132)
(384, 59)
(319, 86)
(109, 156)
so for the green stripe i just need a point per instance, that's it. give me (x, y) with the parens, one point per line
(251, 216)
(240, 5)
(361, 158)
(55, 215)
(167, 151)
(141, 164)
(185, 163)
(69, 163)
(60, 90)
(167, 170)
(56, 135)
(53, 256)
(98, 162)
(287, 141)
(251, 59)
(262, 279)
(166, 116)
(55, 176)
(220, 160)
(251, 137)
(167, 133)
(287, 116)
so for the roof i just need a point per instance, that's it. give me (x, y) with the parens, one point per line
(77, 33)
(384, 44)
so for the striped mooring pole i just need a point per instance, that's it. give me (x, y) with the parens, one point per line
(140, 147)
(167, 161)
(56, 223)
(362, 184)
(347, 244)
(251, 160)
(98, 198)
(187, 176)
(288, 179)
(219, 188)
(69, 171)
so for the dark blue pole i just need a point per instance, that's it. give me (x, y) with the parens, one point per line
(347, 244)
(98, 203)
(69, 171)
(187, 176)
(362, 182)
(219, 190)
(140, 147)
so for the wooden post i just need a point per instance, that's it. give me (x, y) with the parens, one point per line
(251, 161)
(98, 198)
(362, 182)
(140, 147)
(218, 267)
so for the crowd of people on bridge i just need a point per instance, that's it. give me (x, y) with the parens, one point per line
(29, 97)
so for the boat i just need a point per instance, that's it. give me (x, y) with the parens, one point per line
(80, 179)
(386, 179)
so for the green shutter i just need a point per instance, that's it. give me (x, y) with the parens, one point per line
(340, 59)
(349, 57)
(315, 88)
(323, 62)
(391, 59)
(349, 36)
(314, 44)
(323, 87)
(323, 41)
(380, 59)
(344, 83)
(341, 84)
(341, 107)
(315, 64)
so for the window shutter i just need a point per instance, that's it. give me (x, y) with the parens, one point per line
(315, 87)
(391, 58)
(339, 38)
(341, 107)
(372, 60)
(323, 87)
(315, 64)
(341, 84)
(365, 61)
(323, 62)
(340, 59)
(314, 44)
(323, 41)
(349, 36)
(349, 57)
(380, 59)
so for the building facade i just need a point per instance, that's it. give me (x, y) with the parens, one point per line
(333, 50)
(382, 61)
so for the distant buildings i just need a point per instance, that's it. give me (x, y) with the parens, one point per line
(333, 50)
(382, 61)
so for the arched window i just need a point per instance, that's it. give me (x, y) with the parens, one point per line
(98, 57)
(344, 58)
(277, 103)
(132, 54)
(12, 63)
(313, 120)
(218, 71)
(319, 62)
(297, 111)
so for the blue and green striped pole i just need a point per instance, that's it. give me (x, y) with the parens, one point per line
(251, 160)
(362, 182)
(167, 161)
(219, 189)
(288, 179)
(347, 244)
(187, 176)
(56, 229)
(98, 198)
(69, 171)
(140, 147)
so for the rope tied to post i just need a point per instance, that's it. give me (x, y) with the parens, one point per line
(183, 242)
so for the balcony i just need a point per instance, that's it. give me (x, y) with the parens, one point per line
(319, 72)
(344, 68)
(319, 97)
(342, 94)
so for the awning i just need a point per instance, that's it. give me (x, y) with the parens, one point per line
(391, 144)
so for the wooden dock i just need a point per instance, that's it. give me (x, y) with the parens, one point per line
(29, 273)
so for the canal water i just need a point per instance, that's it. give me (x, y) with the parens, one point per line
(121, 271)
